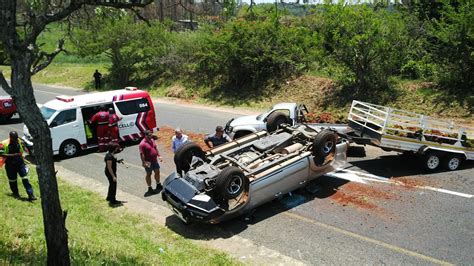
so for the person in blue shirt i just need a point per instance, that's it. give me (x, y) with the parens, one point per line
(178, 139)
(217, 138)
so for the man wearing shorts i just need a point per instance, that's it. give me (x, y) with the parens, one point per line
(149, 155)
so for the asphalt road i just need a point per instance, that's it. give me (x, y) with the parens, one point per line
(382, 209)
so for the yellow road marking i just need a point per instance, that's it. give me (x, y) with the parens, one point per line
(367, 239)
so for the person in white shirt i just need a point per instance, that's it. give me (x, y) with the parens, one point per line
(178, 139)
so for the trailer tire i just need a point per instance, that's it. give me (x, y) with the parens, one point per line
(452, 162)
(231, 182)
(275, 120)
(431, 161)
(324, 147)
(184, 155)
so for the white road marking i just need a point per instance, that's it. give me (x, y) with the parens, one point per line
(361, 177)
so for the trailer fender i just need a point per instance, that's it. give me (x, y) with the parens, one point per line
(424, 149)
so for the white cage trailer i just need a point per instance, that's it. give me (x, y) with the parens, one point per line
(437, 142)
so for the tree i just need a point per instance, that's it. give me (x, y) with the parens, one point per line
(22, 22)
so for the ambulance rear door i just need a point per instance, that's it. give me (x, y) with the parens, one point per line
(133, 113)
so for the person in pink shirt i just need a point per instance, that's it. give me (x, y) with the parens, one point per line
(149, 155)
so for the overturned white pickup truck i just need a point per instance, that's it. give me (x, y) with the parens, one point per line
(236, 177)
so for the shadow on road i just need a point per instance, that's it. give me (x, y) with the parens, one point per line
(12, 121)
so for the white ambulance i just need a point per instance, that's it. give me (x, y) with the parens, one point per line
(67, 118)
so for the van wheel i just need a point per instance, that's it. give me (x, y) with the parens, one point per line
(324, 147)
(231, 182)
(431, 161)
(184, 155)
(452, 162)
(275, 120)
(69, 149)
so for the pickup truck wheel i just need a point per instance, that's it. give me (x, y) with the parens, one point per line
(69, 149)
(452, 162)
(275, 120)
(231, 182)
(431, 161)
(324, 147)
(184, 155)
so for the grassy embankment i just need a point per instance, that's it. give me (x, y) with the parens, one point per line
(98, 234)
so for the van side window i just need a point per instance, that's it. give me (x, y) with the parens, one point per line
(133, 106)
(65, 117)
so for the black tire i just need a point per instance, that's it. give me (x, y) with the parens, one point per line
(240, 134)
(324, 147)
(275, 120)
(431, 161)
(231, 182)
(69, 149)
(184, 155)
(452, 162)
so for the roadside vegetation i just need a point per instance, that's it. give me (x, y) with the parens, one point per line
(98, 234)
(412, 56)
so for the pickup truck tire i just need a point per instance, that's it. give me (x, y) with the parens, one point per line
(431, 161)
(69, 149)
(231, 182)
(452, 162)
(324, 147)
(184, 155)
(275, 120)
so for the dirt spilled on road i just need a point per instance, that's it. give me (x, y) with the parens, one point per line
(361, 196)
(166, 133)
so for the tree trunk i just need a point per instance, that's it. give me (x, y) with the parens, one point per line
(53, 220)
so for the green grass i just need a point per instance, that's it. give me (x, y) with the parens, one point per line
(98, 234)
(64, 74)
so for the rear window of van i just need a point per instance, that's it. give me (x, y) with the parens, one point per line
(133, 106)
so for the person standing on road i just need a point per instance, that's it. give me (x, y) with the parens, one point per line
(178, 139)
(113, 125)
(102, 120)
(12, 150)
(97, 78)
(149, 155)
(217, 138)
(111, 172)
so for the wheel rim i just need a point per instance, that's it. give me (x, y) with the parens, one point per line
(235, 185)
(433, 162)
(453, 163)
(328, 146)
(70, 149)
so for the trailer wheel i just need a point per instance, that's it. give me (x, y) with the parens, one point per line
(431, 161)
(452, 162)
(231, 182)
(184, 155)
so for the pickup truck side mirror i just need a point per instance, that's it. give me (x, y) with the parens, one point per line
(265, 119)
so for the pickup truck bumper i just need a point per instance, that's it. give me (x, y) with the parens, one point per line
(187, 203)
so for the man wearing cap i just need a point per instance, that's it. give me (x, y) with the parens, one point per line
(102, 120)
(217, 138)
(12, 150)
(149, 155)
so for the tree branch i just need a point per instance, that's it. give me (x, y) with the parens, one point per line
(37, 67)
(4, 84)
(137, 13)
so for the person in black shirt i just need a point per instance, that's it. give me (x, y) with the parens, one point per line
(97, 78)
(111, 171)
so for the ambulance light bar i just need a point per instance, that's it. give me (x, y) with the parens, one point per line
(131, 88)
(65, 98)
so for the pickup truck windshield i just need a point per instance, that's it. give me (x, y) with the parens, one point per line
(47, 112)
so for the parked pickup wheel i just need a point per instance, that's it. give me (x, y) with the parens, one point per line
(324, 147)
(184, 155)
(231, 182)
(431, 161)
(69, 149)
(452, 162)
(275, 120)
